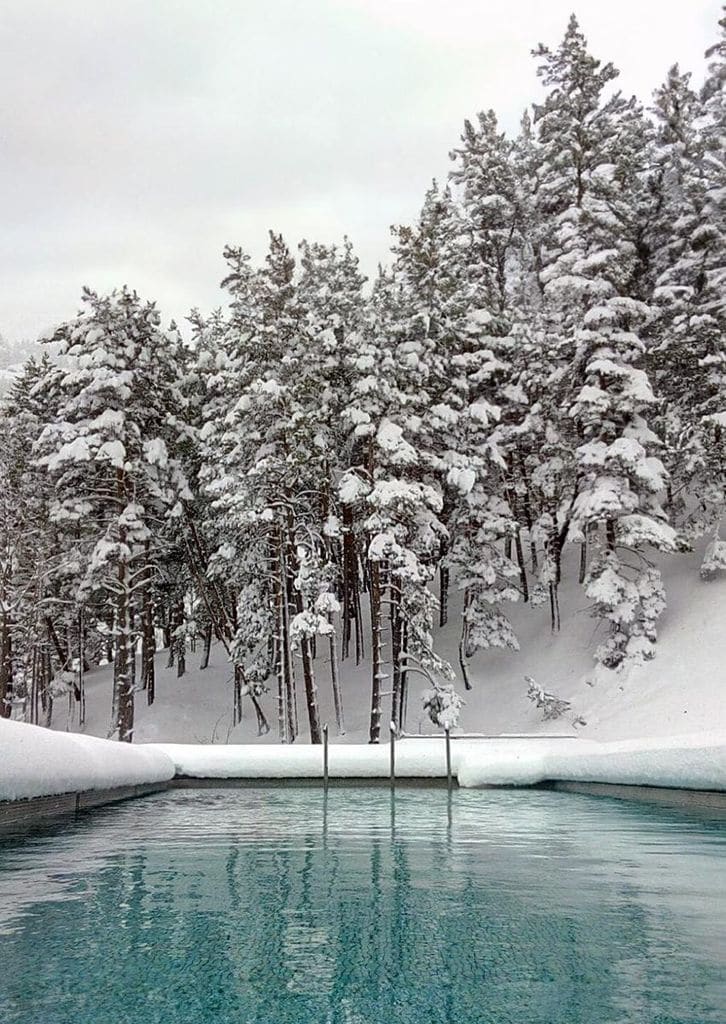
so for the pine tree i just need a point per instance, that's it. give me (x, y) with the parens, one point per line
(111, 453)
(31, 568)
(593, 147)
(671, 363)
(489, 506)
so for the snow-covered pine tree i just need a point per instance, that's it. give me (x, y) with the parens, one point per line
(424, 331)
(370, 370)
(244, 552)
(392, 487)
(33, 602)
(707, 315)
(491, 498)
(710, 245)
(272, 460)
(689, 357)
(330, 290)
(594, 146)
(671, 363)
(111, 452)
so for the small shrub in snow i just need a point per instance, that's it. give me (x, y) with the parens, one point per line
(552, 707)
(714, 559)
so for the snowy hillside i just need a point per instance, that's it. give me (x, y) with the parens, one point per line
(667, 696)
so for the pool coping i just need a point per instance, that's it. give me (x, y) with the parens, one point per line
(24, 814)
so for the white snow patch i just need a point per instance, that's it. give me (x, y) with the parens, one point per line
(113, 452)
(390, 439)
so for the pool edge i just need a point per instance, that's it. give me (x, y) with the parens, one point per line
(664, 796)
(25, 813)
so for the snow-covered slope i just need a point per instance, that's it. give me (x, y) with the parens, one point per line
(682, 691)
(36, 762)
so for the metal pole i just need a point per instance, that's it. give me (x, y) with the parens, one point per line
(447, 730)
(325, 757)
(392, 728)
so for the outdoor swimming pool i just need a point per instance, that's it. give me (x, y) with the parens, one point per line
(273, 906)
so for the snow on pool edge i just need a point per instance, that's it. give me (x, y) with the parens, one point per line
(39, 762)
(695, 761)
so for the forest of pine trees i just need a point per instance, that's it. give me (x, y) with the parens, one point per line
(327, 470)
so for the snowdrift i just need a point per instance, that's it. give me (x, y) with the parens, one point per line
(38, 762)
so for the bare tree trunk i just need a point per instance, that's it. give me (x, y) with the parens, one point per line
(311, 692)
(404, 675)
(610, 534)
(237, 696)
(522, 566)
(583, 561)
(169, 637)
(527, 510)
(180, 642)
(376, 652)
(6, 667)
(283, 710)
(61, 654)
(350, 573)
(207, 649)
(396, 652)
(285, 652)
(122, 669)
(82, 667)
(335, 680)
(34, 686)
(123, 677)
(554, 608)
(443, 595)
(47, 690)
(462, 642)
(263, 726)
(360, 652)
(166, 631)
(148, 649)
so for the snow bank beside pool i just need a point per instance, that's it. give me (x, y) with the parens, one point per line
(39, 762)
(414, 759)
(695, 761)
(688, 762)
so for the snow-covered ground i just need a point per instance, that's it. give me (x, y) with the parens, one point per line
(682, 691)
(37, 762)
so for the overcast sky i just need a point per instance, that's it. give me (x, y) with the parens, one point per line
(140, 136)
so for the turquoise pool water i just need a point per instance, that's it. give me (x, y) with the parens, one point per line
(262, 906)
